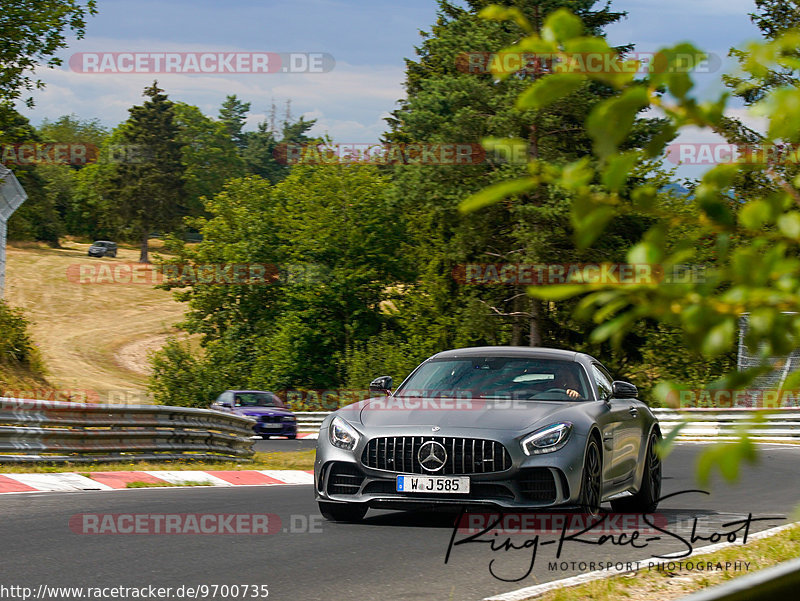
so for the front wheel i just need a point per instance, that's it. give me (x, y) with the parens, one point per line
(265, 436)
(592, 479)
(646, 500)
(342, 512)
(291, 436)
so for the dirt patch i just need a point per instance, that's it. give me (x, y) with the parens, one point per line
(81, 329)
(134, 355)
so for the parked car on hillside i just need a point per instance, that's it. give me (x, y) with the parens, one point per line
(103, 248)
(272, 415)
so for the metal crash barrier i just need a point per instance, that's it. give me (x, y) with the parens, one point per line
(725, 424)
(701, 424)
(34, 431)
(310, 421)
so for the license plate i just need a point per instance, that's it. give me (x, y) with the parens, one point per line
(433, 484)
(275, 426)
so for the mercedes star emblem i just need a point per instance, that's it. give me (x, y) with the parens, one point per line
(432, 456)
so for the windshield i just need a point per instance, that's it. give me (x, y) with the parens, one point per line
(518, 378)
(257, 399)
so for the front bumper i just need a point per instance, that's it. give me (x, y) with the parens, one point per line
(538, 481)
(282, 429)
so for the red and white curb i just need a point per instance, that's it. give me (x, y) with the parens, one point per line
(72, 481)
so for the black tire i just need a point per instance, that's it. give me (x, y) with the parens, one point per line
(265, 436)
(342, 512)
(646, 500)
(592, 479)
(291, 436)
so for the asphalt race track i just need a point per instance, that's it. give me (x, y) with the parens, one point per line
(392, 555)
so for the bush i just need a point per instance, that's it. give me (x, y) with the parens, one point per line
(16, 346)
(382, 355)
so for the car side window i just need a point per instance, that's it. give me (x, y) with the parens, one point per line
(603, 382)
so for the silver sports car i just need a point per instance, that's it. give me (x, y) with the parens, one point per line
(508, 427)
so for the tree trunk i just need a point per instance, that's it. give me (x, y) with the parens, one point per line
(143, 255)
(535, 337)
(516, 335)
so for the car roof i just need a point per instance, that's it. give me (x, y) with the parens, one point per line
(103, 241)
(261, 391)
(513, 351)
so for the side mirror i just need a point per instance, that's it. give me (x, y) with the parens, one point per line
(382, 384)
(227, 405)
(623, 390)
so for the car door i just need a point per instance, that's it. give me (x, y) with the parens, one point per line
(628, 434)
(613, 425)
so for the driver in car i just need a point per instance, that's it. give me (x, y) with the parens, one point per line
(568, 381)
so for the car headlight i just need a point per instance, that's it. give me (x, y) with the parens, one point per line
(547, 439)
(342, 434)
(289, 418)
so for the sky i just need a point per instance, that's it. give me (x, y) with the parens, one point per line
(367, 40)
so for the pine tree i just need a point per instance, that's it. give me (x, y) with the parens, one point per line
(233, 114)
(447, 104)
(151, 184)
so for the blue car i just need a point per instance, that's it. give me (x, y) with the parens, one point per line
(274, 419)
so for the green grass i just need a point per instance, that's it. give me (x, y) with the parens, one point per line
(290, 460)
(139, 484)
(654, 585)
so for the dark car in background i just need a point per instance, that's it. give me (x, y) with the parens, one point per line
(504, 427)
(272, 416)
(103, 248)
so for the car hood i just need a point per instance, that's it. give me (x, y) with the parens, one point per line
(456, 413)
(261, 411)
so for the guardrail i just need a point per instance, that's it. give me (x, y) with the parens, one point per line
(310, 421)
(720, 424)
(53, 431)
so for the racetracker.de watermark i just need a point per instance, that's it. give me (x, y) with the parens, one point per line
(537, 63)
(194, 523)
(70, 395)
(727, 398)
(77, 154)
(367, 153)
(711, 153)
(27, 398)
(557, 523)
(201, 63)
(193, 274)
(552, 274)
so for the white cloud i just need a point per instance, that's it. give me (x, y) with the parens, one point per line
(352, 99)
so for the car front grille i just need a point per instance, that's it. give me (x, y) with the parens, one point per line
(537, 484)
(271, 419)
(464, 455)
